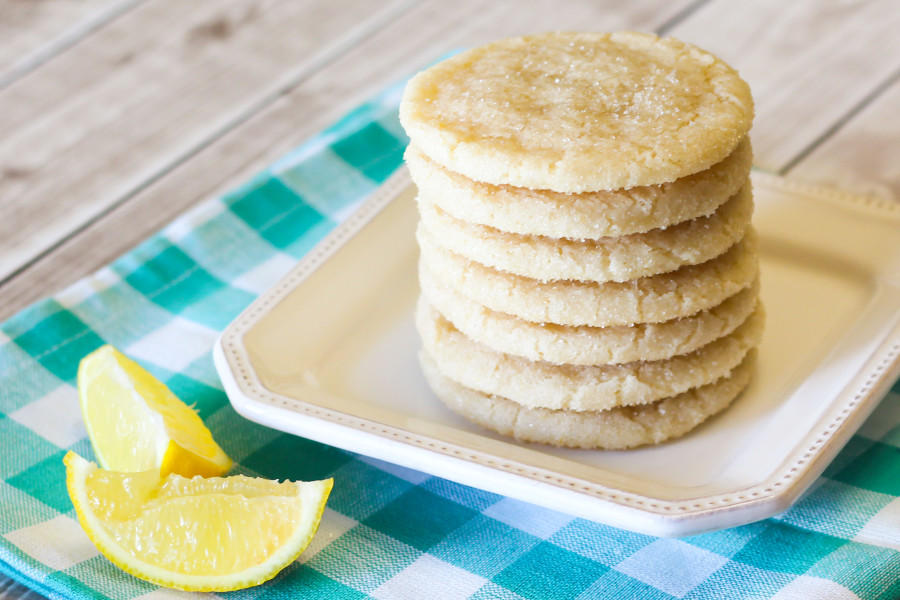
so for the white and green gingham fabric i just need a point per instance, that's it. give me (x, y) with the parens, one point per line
(388, 532)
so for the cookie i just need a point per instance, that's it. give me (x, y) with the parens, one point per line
(646, 300)
(578, 112)
(580, 216)
(613, 429)
(543, 385)
(607, 259)
(564, 344)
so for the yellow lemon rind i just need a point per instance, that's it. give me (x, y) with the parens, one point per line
(77, 470)
(182, 461)
(178, 457)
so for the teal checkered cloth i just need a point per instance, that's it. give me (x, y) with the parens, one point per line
(388, 532)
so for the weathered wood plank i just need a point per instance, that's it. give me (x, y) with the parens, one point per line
(811, 64)
(808, 62)
(33, 32)
(116, 111)
(406, 45)
(861, 153)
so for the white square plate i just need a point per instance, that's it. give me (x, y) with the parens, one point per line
(329, 353)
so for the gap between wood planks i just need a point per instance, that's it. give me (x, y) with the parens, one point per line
(72, 37)
(327, 57)
(860, 106)
(23, 285)
(683, 14)
(66, 41)
(680, 16)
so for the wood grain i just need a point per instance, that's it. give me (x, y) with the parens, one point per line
(808, 62)
(407, 44)
(860, 154)
(34, 32)
(117, 115)
(118, 110)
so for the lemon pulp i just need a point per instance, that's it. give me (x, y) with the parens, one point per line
(136, 423)
(197, 534)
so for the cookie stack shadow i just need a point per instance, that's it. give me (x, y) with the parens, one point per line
(590, 318)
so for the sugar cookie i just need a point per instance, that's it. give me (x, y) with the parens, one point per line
(613, 429)
(543, 385)
(607, 259)
(580, 216)
(578, 112)
(562, 344)
(646, 300)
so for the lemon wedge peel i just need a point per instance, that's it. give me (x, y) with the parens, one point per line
(136, 423)
(310, 498)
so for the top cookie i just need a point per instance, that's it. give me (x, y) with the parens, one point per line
(578, 112)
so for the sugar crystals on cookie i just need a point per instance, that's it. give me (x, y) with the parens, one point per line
(589, 271)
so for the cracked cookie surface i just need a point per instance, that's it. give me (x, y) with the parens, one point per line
(578, 112)
(565, 344)
(650, 299)
(613, 429)
(580, 216)
(539, 384)
(619, 258)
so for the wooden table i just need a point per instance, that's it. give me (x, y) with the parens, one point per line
(118, 115)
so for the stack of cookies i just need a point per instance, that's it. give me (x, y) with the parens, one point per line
(589, 274)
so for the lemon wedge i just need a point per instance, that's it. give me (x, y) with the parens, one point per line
(136, 423)
(199, 534)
